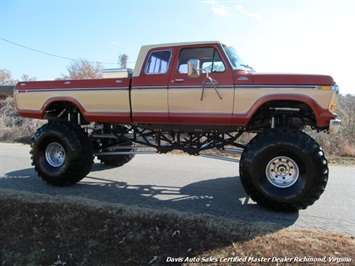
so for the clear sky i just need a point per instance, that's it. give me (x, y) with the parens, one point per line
(313, 36)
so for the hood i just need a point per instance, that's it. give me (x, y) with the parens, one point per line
(292, 79)
(283, 79)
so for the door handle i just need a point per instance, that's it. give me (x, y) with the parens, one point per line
(179, 80)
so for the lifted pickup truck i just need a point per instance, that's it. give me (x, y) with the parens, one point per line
(191, 97)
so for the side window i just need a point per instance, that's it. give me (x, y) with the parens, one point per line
(158, 62)
(209, 58)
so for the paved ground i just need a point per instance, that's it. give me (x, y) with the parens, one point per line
(188, 184)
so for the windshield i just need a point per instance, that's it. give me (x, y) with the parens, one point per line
(235, 60)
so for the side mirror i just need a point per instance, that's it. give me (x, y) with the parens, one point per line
(193, 68)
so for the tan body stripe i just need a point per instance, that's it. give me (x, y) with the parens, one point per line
(90, 100)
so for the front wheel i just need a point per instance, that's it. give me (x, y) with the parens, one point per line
(62, 153)
(283, 170)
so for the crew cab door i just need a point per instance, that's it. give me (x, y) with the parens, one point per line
(206, 99)
(149, 95)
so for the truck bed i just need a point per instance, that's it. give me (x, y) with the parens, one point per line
(101, 100)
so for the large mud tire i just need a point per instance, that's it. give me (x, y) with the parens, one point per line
(283, 170)
(62, 153)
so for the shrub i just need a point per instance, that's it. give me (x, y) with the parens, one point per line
(15, 128)
(343, 143)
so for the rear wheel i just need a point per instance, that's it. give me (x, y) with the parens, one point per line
(284, 170)
(62, 153)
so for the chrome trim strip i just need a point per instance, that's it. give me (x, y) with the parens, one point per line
(78, 89)
(149, 87)
(180, 87)
(275, 86)
(209, 85)
(124, 112)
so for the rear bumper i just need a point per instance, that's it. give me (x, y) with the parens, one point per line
(334, 125)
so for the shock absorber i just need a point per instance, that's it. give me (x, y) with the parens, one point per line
(273, 123)
(79, 118)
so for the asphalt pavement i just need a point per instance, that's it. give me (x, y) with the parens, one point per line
(189, 184)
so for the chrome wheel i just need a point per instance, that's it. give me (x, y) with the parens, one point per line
(55, 154)
(282, 172)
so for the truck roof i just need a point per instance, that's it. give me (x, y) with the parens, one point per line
(150, 46)
(145, 49)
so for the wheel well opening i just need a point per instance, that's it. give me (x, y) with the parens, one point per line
(61, 110)
(289, 113)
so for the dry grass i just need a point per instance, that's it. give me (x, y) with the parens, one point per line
(292, 247)
(348, 150)
(43, 230)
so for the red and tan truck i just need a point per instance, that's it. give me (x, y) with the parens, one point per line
(191, 97)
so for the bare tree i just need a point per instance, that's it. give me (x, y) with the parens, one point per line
(84, 69)
(122, 60)
(26, 77)
(6, 78)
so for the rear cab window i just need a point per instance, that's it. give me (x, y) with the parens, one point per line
(158, 62)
